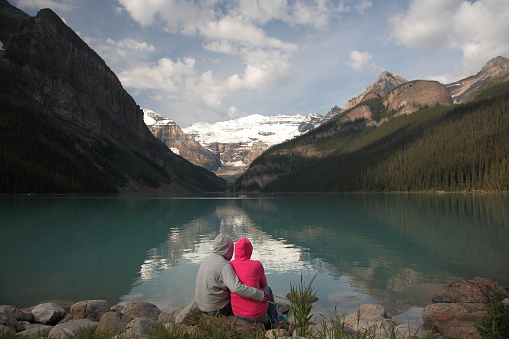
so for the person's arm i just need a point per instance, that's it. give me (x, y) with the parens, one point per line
(233, 283)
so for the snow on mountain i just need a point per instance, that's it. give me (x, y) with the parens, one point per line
(151, 118)
(254, 128)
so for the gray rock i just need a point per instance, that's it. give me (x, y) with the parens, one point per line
(18, 314)
(410, 332)
(72, 328)
(117, 307)
(136, 309)
(6, 319)
(139, 327)
(370, 319)
(35, 331)
(188, 314)
(170, 316)
(48, 313)
(6, 331)
(113, 322)
(90, 309)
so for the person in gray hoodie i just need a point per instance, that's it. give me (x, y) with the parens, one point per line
(216, 278)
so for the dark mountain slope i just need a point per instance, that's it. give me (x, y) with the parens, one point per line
(459, 147)
(67, 125)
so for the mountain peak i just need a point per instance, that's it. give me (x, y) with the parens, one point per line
(498, 63)
(386, 82)
(460, 90)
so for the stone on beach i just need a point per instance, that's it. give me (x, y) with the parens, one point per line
(90, 309)
(72, 328)
(457, 306)
(137, 308)
(113, 322)
(48, 313)
(139, 328)
(36, 330)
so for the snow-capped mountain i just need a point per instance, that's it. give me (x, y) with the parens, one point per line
(228, 147)
(255, 128)
(179, 142)
(152, 118)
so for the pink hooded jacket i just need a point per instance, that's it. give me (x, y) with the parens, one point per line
(250, 273)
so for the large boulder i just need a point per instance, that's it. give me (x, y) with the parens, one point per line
(458, 325)
(139, 328)
(457, 306)
(90, 309)
(36, 331)
(6, 331)
(113, 322)
(18, 314)
(371, 319)
(169, 316)
(72, 328)
(7, 320)
(48, 313)
(188, 314)
(136, 309)
(477, 290)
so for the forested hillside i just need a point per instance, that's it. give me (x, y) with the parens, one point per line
(453, 148)
(38, 157)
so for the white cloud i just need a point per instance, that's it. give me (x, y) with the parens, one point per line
(120, 52)
(363, 5)
(477, 29)
(264, 71)
(166, 76)
(240, 31)
(56, 5)
(361, 61)
(131, 44)
(234, 113)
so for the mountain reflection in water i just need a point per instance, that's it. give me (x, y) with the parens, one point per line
(393, 249)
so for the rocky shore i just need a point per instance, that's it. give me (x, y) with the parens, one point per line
(452, 314)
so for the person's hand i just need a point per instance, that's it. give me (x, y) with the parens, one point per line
(266, 297)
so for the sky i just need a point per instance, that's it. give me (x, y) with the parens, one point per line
(216, 60)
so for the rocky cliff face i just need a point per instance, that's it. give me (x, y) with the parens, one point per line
(385, 83)
(73, 86)
(404, 99)
(461, 89)
(68, 78)
(181, 143)
(415, 95)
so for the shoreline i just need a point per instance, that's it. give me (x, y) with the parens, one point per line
(461, 302)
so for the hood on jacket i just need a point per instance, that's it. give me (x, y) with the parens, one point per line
(223, 245)
(243, 249)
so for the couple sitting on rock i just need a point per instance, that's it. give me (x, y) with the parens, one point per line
(236, 288)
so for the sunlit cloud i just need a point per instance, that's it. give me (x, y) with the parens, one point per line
(362, 61)
(58, 5)
(476, 29)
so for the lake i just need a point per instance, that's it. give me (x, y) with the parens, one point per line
(395, 250)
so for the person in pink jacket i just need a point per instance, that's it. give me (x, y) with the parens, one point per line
(251, 273)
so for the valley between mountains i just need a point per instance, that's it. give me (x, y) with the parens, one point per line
(228, 148)
(68, 126)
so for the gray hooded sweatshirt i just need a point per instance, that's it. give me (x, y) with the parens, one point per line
(216, 278)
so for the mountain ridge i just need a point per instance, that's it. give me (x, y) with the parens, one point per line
(335, 146)
(51, 75)
(389, 96)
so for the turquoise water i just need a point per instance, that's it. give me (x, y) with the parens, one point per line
(396, 250)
